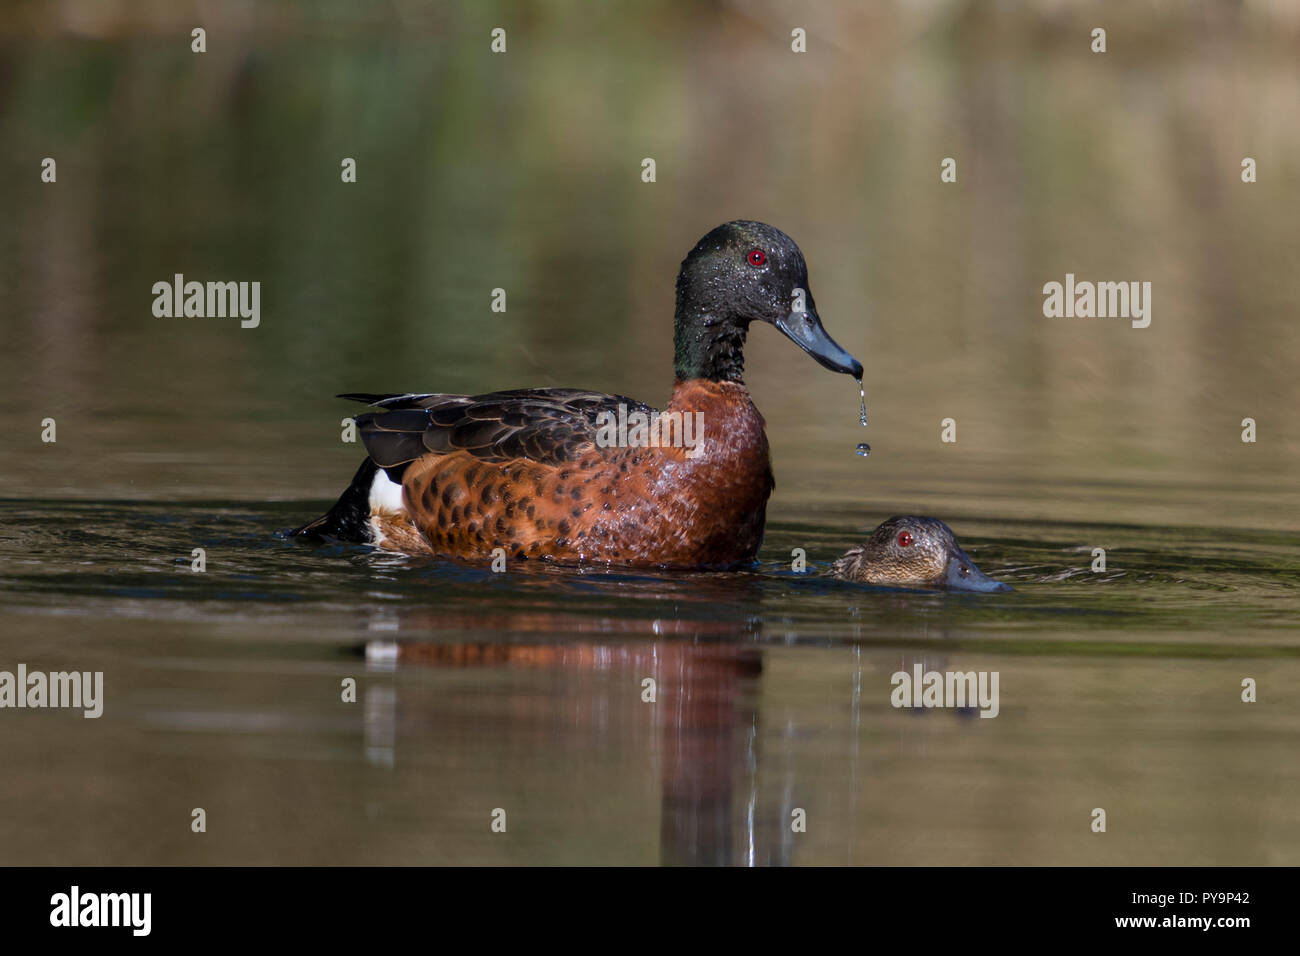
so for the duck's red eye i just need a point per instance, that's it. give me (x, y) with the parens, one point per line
(757, 257)
(904, 539)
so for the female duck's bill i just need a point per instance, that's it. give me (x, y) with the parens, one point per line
(910, 550)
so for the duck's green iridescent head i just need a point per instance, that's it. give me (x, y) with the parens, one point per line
(739, 273)
(910, 550)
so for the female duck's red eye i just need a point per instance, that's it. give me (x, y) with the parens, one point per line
(904, 539)
(757, 257)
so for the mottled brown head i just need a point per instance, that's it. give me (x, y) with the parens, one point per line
(910, 550)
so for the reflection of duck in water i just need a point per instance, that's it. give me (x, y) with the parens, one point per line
(910, 550)
(703, 714)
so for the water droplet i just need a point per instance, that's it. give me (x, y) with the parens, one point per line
(863, 449)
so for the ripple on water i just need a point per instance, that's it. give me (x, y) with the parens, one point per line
(135, 558)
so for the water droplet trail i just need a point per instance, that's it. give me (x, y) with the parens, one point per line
(863, 449)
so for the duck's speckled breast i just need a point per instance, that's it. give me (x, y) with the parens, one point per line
(708, 510)
(636, 506)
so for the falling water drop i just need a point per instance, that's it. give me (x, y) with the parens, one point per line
(863, 449)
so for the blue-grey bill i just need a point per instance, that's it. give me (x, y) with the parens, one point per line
(805, 330)
(963, 575)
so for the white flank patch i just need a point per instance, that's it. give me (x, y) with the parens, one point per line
(385, 494)
(385, 498)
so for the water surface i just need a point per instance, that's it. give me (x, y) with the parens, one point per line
(523, 691)
(1119, 689)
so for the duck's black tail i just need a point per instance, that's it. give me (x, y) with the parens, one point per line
(349, 519)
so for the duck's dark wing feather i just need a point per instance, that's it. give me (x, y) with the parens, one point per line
(545, 425)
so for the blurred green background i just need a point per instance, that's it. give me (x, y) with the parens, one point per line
(522, 171)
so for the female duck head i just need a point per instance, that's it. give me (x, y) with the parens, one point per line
(917, 551)
(739, 273)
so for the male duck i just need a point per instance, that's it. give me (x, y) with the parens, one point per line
(527, 470)
(909, 550)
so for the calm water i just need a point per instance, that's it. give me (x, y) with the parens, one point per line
(522, 691)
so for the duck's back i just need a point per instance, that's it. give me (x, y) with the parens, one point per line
(530, 472)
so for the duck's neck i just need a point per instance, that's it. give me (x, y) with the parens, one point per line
(708, 346)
